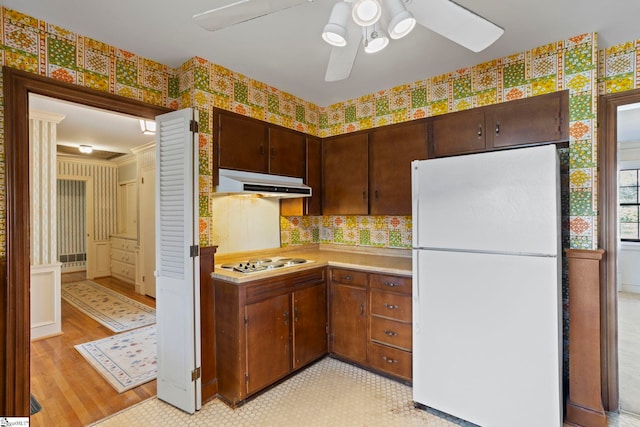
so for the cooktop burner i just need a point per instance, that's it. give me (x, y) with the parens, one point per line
(262, 264)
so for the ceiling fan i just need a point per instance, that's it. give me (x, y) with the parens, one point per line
(371, 25)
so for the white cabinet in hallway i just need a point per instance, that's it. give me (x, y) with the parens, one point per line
(124, 253)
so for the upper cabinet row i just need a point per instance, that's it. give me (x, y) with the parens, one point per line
(529, 121)
(368, 172)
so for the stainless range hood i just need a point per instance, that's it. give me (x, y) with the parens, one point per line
(240, 182)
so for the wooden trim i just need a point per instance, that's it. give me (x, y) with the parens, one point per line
(15, 323)
(208, 324)
(584, 405)
(608, 238)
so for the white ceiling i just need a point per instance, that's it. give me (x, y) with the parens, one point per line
(285, 49)
(103, 130)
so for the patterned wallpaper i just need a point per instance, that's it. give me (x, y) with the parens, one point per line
(34, 45)
(567, 64)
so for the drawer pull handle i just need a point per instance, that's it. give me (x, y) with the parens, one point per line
(391, 306)
(391, 333)
(389, 360)
(347, 277)
(391, 284)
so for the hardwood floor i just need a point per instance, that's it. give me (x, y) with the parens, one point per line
(69, 390)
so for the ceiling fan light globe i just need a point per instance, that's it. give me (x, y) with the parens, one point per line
(335, 32)
(366, 12)
(376, 43)
(334, 35)
(400, 26)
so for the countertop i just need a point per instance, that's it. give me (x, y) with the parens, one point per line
(390, 261)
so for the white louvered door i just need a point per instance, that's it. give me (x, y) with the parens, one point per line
(177, 261)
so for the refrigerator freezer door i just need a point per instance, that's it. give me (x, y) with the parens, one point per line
(486, 345)
(504, 201)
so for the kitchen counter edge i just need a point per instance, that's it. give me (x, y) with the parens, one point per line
(396, 265)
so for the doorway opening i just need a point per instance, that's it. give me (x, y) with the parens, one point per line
(618, 369)
(15, 342)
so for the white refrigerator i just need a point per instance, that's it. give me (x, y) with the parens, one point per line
(487, 287)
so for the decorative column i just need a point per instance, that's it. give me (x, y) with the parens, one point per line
(45, 268)
(584, 406)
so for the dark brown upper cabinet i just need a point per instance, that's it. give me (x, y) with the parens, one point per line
(530, 121)
(247, 144)
(345, 175)
(391, 151)
(313, 178)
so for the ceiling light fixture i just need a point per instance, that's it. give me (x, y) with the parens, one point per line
(85, 149)
(335, 31)
(366, 12)
(148, 127)
(374, 38)
(373, 18)
(400, 20)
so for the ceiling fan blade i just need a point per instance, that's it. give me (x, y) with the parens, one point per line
(456, 23)
(230, 12)
(342, 58)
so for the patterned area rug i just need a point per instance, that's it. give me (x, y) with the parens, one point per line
(113, 310)
(125, 360)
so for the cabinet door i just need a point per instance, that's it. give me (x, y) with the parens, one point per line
(528, 121)
(345, 175)
(391, 150)
(313, 178)
(267, 332)
(458, 133)
(348, 336)
(241, 142)
(309, 324)
(286, 152)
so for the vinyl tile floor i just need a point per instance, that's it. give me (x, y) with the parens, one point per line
(329, 393)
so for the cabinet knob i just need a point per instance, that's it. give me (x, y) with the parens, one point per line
(376, 193)
(391, 333)
(391, 284)
(391, 306)
(479, 131)
(497, 128)
(347, 277)
(361, 309)
(389, 360)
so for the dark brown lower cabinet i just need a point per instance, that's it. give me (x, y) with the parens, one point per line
(370, 321)
(309, 324)
(266, 329)
(349, 322)
(268, 350)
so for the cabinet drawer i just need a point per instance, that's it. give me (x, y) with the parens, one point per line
(122, 256)
(124, 270)
(391, 360)
(391, 283)
(349, 277)
(122, 244)
(391, 332)
(392, 306)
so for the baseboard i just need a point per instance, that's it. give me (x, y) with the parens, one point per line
(630, 288)
(577, 415)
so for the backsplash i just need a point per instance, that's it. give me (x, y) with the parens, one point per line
(373, 231)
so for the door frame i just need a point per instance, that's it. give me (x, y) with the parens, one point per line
(608, 238)
(14, 299)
